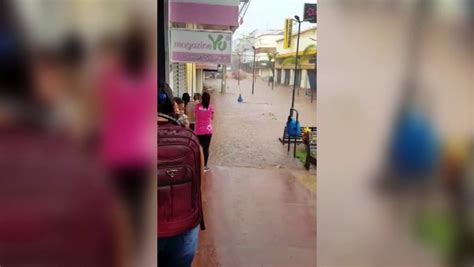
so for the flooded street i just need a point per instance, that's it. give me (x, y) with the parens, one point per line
(255, 193)
(246, 134)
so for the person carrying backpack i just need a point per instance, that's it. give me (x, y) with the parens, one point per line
(180, 169)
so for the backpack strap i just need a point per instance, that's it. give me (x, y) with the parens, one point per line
(169, 118)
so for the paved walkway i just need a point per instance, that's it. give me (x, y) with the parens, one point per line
(259, 203)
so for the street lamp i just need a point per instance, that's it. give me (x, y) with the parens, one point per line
(253, 76)
(293, 124)
(297, 19)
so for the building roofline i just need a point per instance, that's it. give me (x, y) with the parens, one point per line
(304, 31)
(267, 34)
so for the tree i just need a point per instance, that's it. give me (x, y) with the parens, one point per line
(271, 61)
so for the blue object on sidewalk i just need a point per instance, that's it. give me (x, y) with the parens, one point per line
(293, 127)
(240, 99)
(415, 144)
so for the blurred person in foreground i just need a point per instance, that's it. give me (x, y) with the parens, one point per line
(127, 91)
(180, 170)
(57, 208)
(77, 80)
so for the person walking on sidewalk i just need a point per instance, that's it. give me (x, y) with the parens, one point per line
(204, 114)
(190, 110)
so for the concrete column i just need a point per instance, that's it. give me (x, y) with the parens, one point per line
(199, 81)
(292, 76)
(304, 79)
(282, 76)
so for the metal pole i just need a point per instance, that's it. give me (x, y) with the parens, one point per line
(273, 72)
(253, 77)
(296, 64)
(224, 78)
(238, 80)
(315, 78)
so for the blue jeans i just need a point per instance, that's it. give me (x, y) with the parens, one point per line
(178, 251)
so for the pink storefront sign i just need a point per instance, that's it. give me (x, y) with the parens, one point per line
(201, 58)
(211, 12)
(194, 46)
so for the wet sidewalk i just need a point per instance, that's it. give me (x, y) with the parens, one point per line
(256, 217)
(259, 203)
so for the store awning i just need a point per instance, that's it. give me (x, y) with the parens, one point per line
(310, 52)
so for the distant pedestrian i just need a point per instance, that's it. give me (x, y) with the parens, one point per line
(270, 80)
(190, 110)
(204, 113)
(240, 99)
(186, 98)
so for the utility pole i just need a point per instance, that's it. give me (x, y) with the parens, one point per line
(238, 79)
(224, 78)
(273, 62)
(296, 60)
(253, 76)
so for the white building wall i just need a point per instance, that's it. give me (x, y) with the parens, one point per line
(267, 40)
(282, 76)
(292, 77)
(304, 79)
(247, 57)
(199, 82)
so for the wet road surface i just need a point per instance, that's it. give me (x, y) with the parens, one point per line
(246, 134)
(259, 203)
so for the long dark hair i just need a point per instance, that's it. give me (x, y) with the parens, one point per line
(186, 98)
(165, 100)
(206, 100)
(135, 51)
(73, 50)
(15, 76)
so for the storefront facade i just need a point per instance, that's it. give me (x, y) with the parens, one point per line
(285, 60)
(200, 37)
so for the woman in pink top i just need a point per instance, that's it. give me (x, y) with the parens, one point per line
(128, 103)
(204, 113)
